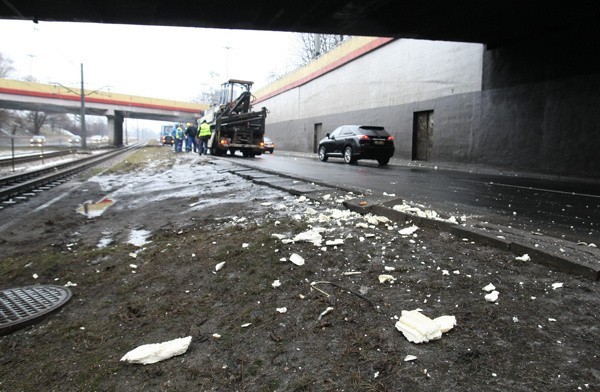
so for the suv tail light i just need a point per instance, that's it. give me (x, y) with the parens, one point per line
(390, 138)
(364, 137)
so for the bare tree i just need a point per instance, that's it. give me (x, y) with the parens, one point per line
(5, 70)
(37, 120)
(210, 97)
(313, 45)
(6, 67)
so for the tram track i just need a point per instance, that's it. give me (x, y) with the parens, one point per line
(19, 187)
(34, 157)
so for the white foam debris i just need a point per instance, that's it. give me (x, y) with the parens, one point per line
(489, 287)
(386, 278)
(156, 352)
(388, 268)
(216, 336)
(349, 273)
(492, 297)
(310, 211)
(35, 276)
(281, 310)
(525, 257)
(297, 259)
(335, 242)
(446, 323)
(557, 286)
(418, 328)
(428, 213)
(313, 235)
(408, 230)
(134, 266)
(326, 311)
(219, 266)
(410, 358)
(70, 284)
(246, 325)
(276, 283)
(245, 245)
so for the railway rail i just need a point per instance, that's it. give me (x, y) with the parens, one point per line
(35, 157)
(21, 186)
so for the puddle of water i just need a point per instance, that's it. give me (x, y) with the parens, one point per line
(93, 210)
(138, 237)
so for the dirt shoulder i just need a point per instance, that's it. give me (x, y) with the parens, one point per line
(537, 336)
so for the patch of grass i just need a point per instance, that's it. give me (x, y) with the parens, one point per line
(140, 159)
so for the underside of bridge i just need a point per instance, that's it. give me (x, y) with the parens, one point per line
(540, 73)
(493, 22)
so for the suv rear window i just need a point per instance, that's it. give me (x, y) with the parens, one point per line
(374, 131)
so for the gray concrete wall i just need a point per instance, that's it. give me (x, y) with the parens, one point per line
(548, 127)
(400, 72)
(522, 120)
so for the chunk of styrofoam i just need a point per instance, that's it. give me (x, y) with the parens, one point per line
(492, 297)
(408, 230)
(156, 352)
(276, 283)
(386, 278)
(335, 242)
(312, 235)
(418, 328)
(410, 358)
(525, 257)
(297, 259)
(446, 323)
(489, 287)
(219, 266)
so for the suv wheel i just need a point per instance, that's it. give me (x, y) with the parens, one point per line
(383, 161)
(348, 155)
(322, 156)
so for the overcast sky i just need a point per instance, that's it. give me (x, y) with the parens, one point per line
(163, 62)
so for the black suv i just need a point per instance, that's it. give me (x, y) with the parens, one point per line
(354, 142)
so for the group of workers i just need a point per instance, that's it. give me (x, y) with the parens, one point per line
(194, 138)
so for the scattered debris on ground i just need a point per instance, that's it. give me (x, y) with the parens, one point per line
(279, 293)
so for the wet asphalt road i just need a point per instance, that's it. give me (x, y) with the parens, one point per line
(561, 209)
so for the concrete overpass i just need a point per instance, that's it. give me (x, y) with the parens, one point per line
(494, 22)
(540, 72)
(20, 95)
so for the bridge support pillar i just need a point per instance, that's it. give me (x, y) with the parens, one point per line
(115, 128)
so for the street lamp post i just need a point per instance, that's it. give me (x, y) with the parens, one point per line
(82, 109)
(83, 131)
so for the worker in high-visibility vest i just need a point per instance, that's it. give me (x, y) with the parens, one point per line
(178, 138)
(203, 135)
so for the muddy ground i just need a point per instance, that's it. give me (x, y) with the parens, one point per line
(534, 338)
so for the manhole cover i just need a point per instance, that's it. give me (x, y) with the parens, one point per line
(21, 306)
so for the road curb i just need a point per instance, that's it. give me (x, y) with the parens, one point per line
(564, 263)
(383, 206)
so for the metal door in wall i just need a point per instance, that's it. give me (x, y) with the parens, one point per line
(422, 135)
(317, 136)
